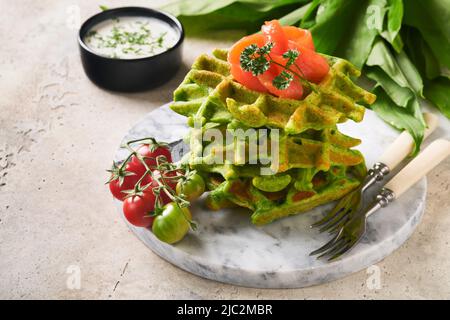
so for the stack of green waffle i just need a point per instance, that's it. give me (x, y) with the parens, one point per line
(315, 163)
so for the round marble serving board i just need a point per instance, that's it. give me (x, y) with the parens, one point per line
(228, 248)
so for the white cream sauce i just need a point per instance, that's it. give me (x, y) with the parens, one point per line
(131, 37)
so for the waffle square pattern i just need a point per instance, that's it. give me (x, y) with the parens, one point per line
(289, 155)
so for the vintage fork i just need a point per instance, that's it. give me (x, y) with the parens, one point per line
(349, 205)
(347, 236)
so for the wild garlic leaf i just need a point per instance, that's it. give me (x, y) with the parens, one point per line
(347, 28)
(195, 7)
(410, 72)
(294, 17)
(399, 95)
(438, 92)
(394, 23)
(432, 19)
(420, 53)
(397, 67)
(248, 15)
(308, 19)
(395, 17)
(409, 118)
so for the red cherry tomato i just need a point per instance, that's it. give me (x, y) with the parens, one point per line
(150, 155)
(138, 169)
(137, 209)
(129, 181)
(170, 181)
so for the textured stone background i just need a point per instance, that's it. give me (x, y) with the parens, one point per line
(58, 133)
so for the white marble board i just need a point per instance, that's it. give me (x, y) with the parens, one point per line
(228, 248)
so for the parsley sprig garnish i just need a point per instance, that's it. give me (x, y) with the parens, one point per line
(257, 60)
(283, 80)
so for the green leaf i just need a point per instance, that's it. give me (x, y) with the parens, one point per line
(410, 72)
(398, 103)
(409, 118)
(432, 19)
(347, 28)
(195, 7)
(308, 19)
(268, 5)
(295, 16)
(202, 7)
(438, 92)
(420, 53)
(395, 17)
(399, 95)
(397, 67)
(237, 15)
(394, 23)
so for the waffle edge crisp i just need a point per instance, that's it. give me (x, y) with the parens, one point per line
(316, 163)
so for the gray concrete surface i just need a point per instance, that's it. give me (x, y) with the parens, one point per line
(58, 133)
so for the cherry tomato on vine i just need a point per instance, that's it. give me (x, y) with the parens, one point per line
(167, 178)
(126, 179)
(137, 209)
(192, 186)
(150, 152)
(139, 170)
(172, 224)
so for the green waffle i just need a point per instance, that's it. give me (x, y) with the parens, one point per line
(316, 163)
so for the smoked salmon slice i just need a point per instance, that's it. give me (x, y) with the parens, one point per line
(301, 37)
(234, 55)
(308, 65)
(314, 67)
(293, 91)
(274, 33)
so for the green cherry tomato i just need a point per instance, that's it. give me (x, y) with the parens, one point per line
(172, 224)
(192, 187)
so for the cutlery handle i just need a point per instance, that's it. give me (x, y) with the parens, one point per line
(419, 167)
(403, 145)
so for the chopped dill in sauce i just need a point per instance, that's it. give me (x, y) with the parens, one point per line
(131, 37)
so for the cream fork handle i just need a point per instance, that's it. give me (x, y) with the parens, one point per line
(437, 151)
(404, 143)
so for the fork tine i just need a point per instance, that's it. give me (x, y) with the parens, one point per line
(340, 252)
(342, 217)
(335, 211)
(352, 208)
(337, 246)
(325, 247)
(336, 227)
(346, 248)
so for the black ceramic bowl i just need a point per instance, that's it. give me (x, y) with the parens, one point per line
(130, 75)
